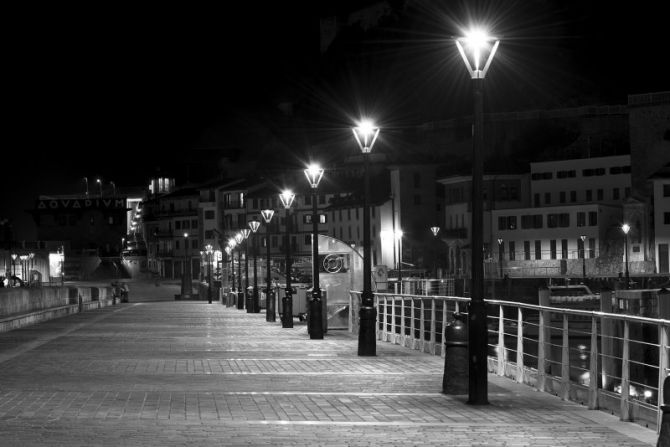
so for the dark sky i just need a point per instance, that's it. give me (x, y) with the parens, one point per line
(119, 92)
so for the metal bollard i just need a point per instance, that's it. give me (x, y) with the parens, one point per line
(455, 379)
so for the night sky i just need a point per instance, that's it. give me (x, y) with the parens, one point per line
(122, 92)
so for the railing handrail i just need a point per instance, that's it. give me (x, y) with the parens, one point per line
(560, 310)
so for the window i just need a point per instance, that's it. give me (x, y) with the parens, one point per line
(502, 223)
(589, 195)
(564, 248)
(573, 196)
(666, 190)
(209, 234)
(526, 222)
(209, 214)
(349, 214)
(593, 218)
(666, 218)
(581, 219)
(177, 225)
(592, 248)
(511, 222)
(322, 218)
(615, 194)
(536, 200)
(552, 220)
(308, 200)
(526, 250)
(538, 250)
(552, 248)
(511, 251)
(322, 199)
(564, 220)
(547, 198)
(194, 243)
(176, 244)
(537, 221)
(601, 194)
(561, 197)
(308, 239)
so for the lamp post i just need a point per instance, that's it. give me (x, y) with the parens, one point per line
(435, 230)
(314, 173)
(99, 182)
(231, 251)
(86, 185)
(477, 42)
(366, 134)
(240, 295)
(186, 278)
(583, 238)
(397, 236)
(14, 256)
(245, 234)
(626, 228)
(270, 315)
(255, 308)
(208, 251)
(287, 198)
(228, 251)
(500, 255)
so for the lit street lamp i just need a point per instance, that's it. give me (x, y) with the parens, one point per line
(287, 198)
(583, 238)
(228, 251)
(186, 278)
(501, 254)
(208, 253)
(247, 298)
(270, 315)
(239, 238)
(626, 228)
(435, 230)
(477, 42)
(255, 305)
(314, 173)
(366, 135)
(99, 182)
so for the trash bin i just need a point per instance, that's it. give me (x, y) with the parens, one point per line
(324, 310)
(455, 379)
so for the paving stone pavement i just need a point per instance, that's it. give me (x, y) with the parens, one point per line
(190, 373)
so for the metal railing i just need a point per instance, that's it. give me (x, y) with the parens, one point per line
(628, 355)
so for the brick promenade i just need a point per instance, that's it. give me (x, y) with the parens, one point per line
(190, 373)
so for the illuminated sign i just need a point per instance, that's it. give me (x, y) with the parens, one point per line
(79, 204)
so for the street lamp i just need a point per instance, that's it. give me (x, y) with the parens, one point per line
(366, 134)
(287, 197)
(239, 238)
(245, 234)
(314, 173)
(397, 236)
(255, 308)
(270, 315)
(231, 245)
(626, 228)
(500, 255)
(435, 230)
(86, 183)
(583, 238)
(228, 251)
(186, 278)
(208, 251)
(478, 43)
(99, 182)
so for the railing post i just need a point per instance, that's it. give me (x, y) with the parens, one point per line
(593, 403)
(544, 337)
(394, 337)
(501, 342)
(433, 319)
(625, 374)
(608, 368)
(444, 325)
(519, 347)
(412, 324)
(423, 325)
(565, 361)
(403, 336)
(663, 366)
(384, 334)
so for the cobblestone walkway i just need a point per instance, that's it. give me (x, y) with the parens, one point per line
(197, 374)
